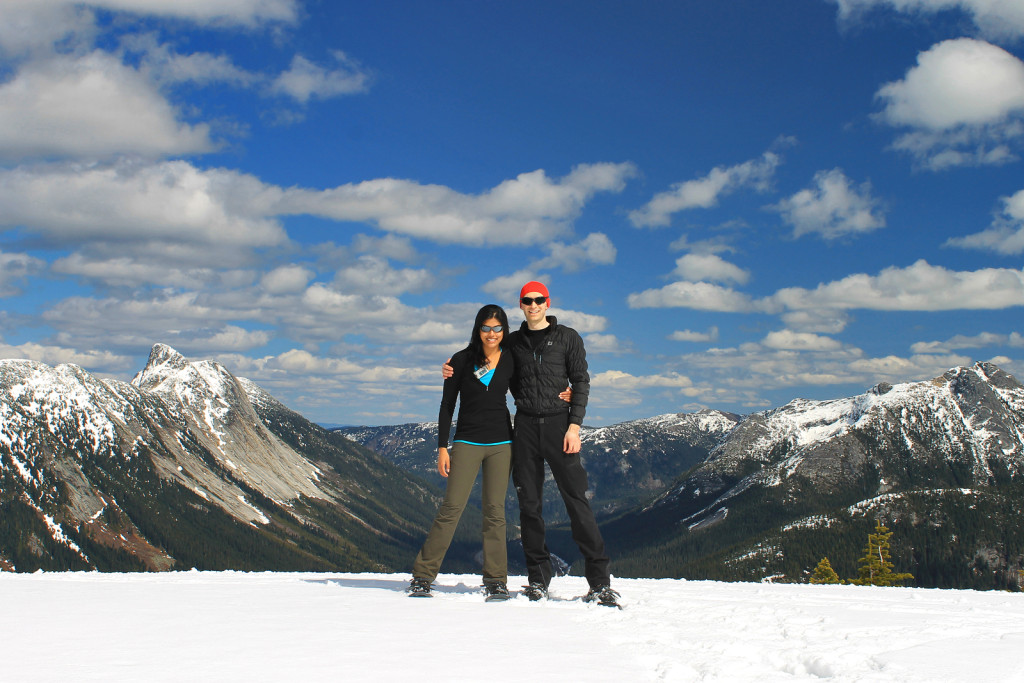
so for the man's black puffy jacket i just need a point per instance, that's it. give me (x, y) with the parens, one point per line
(546, 367)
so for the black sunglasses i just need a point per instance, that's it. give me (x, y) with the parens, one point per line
(491, 328)
(530, 300)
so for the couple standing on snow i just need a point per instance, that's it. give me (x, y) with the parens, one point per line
(535, 363)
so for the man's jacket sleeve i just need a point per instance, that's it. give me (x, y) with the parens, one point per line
(579, 378)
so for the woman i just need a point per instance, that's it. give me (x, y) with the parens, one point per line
(483, 440)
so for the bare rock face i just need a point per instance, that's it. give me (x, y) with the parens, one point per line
(211, 404)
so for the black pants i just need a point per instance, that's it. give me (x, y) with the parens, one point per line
(538, 440)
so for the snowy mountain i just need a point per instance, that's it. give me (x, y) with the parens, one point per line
(411, 446)
(935, 460)
(636, 460)
(626, 463)
(962, 429)
(187, 465)
(712, 495)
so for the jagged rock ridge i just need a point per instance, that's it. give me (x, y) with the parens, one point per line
(626, 462)
(965, 428)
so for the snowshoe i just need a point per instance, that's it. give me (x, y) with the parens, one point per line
(603, 595)
(495, 591)
(419, 588)
(535, 591)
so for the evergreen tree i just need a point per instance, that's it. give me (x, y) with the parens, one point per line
(875, 566)
(824, 573)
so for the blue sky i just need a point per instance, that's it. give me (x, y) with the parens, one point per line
(735, 203)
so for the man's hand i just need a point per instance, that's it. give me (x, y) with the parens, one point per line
(571, 442)
(444, 462)
(566, 395)
(447, 370)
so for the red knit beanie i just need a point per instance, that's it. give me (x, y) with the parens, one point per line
(533, 287)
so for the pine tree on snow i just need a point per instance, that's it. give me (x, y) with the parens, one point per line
(876, 566)
(824, 573)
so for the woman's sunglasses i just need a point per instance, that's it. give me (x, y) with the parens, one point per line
(491, 328)
(530, 300)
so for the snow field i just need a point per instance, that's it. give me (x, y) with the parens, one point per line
(234, 626)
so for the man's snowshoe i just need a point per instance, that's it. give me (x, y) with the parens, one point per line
(535, 591)
(603, 595)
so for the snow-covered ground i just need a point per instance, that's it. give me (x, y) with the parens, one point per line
(232, 626)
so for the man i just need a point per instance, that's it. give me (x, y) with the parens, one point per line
(549, 355)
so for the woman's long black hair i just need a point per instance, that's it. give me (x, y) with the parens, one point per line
(476, 347)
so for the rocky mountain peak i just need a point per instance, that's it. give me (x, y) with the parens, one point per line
(163, 362)
(997, 377)
(880, 389)
(198, 384)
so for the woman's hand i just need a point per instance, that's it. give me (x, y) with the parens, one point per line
(444, 462)
(566, 395)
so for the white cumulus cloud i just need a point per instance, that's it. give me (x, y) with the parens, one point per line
(374, 275)
(833, 208)
(702, 193)
(125, 202)
(87, 107)
(51, 354)
(529, 209)
(305, 80)
(505, 288)
(963, 104)
(34, 26)
(616, 379)
(1005, 236)
(701, 296)
(709, 267)
(247, 13)
(227, 338)
(109, 264)
(166, 66)
(14, 269)
(290, 279)
(993, 18)
(787, 340)
(976, 341)
(595, 248)
(919, 287)
(711, 335)
(605, 343)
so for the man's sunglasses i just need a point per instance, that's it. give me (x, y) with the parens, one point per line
(529, 301)
(491, 328)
